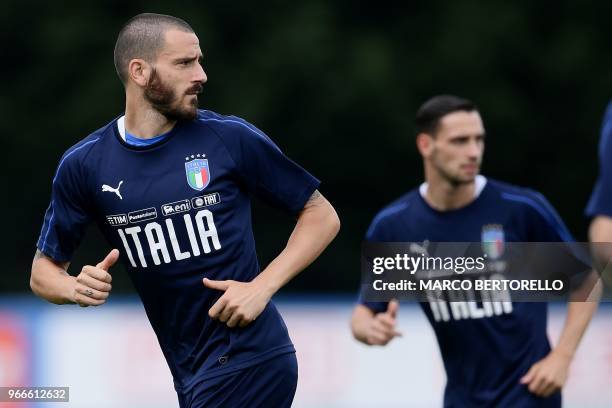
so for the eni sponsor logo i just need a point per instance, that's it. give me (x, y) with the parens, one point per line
(176, 207)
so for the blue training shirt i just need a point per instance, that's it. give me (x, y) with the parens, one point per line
(601, 198)
(485, 352)
(179, 210)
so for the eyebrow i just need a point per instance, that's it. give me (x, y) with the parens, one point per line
(198, 57)
(465, 136)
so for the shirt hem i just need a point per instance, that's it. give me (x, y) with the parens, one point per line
(305, 196)
(55, 255)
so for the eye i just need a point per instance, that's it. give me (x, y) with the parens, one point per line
(184, 62)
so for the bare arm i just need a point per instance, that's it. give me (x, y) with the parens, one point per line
(549, 374)
(579, 315)
(242, 302)
(50, 280)
(316, 227)
(600, 235)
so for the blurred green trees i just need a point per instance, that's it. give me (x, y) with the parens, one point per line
(335, 84)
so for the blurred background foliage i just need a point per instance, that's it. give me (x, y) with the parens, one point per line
(335, 84)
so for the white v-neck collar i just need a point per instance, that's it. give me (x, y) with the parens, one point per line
(480, 181)
(121, 126)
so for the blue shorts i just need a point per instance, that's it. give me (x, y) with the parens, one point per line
(271, 384)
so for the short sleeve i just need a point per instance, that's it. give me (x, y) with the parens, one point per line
(265, 170)
(569, 261)
(546, 224)
(600, 202)
(375, 233)
(68, 215)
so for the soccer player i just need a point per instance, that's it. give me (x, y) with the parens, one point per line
(493, 356)
(168, 185)
(599, 208)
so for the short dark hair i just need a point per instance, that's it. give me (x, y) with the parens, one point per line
(142, 37)
(429, 114)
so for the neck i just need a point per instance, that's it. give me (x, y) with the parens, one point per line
(444, 195)
(142, 120)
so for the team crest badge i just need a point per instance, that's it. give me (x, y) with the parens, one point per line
(197, 171)
(493, 240)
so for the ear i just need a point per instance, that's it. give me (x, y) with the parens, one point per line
(139, 71)
(424, 142)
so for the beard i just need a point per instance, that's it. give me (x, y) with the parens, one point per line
(452, 178)
(164, 99)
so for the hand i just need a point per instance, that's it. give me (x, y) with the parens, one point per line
(548, 375)
(93, 285)
(241, 303)
(381, 328)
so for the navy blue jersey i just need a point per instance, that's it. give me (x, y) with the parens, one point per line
(179, 210)
(486, 348)
(601, 199)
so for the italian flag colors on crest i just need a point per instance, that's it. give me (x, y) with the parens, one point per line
(198, 174)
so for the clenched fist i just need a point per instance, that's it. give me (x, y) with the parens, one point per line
(93, 285)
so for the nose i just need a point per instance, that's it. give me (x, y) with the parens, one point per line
(201, 75)
(474, 150)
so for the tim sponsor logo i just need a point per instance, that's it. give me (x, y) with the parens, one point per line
(206, 200)
(118, 219)
(142, 215)
(176, 207)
